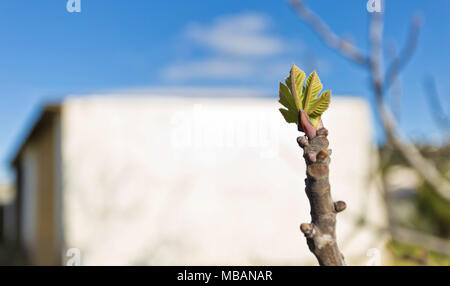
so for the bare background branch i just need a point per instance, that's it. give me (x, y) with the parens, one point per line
(346, 48)
(399, 62)
(434, 103)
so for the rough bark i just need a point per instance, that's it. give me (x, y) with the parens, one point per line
(321, 232)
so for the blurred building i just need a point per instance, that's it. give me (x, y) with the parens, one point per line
(170, 180)
(5, 198)
(402, 184)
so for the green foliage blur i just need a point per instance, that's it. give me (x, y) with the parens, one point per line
(405, 254)
(431, 212)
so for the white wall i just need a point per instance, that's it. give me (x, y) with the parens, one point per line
(171, 180)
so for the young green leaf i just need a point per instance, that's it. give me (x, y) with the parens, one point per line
(289, 116)
(286, 98)
(295, 84)
(320, 105)
(297, 97)
(315, 121)
(313, 86)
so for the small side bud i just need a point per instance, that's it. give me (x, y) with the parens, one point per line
(302, 141)
(307, 229)
(322, 154)
(340, 206)
(311, 157)
(322, 132)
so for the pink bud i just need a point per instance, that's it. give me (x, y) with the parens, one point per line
(304, 125)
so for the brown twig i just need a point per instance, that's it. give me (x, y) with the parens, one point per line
(321, 232)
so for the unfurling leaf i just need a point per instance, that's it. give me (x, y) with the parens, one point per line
(295, 84)
(320, 105)
(313, 87)
(286, 98)
(289, 116)
(297, 97)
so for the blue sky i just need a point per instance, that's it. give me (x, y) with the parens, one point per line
(47, 53)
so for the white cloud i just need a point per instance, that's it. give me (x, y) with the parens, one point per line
(237, 35)
(238, 47)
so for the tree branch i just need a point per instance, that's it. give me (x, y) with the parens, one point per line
(345, 47)
(423, 166)
(399, 62)
(321, 232)
(396, 91)
(440, 117)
